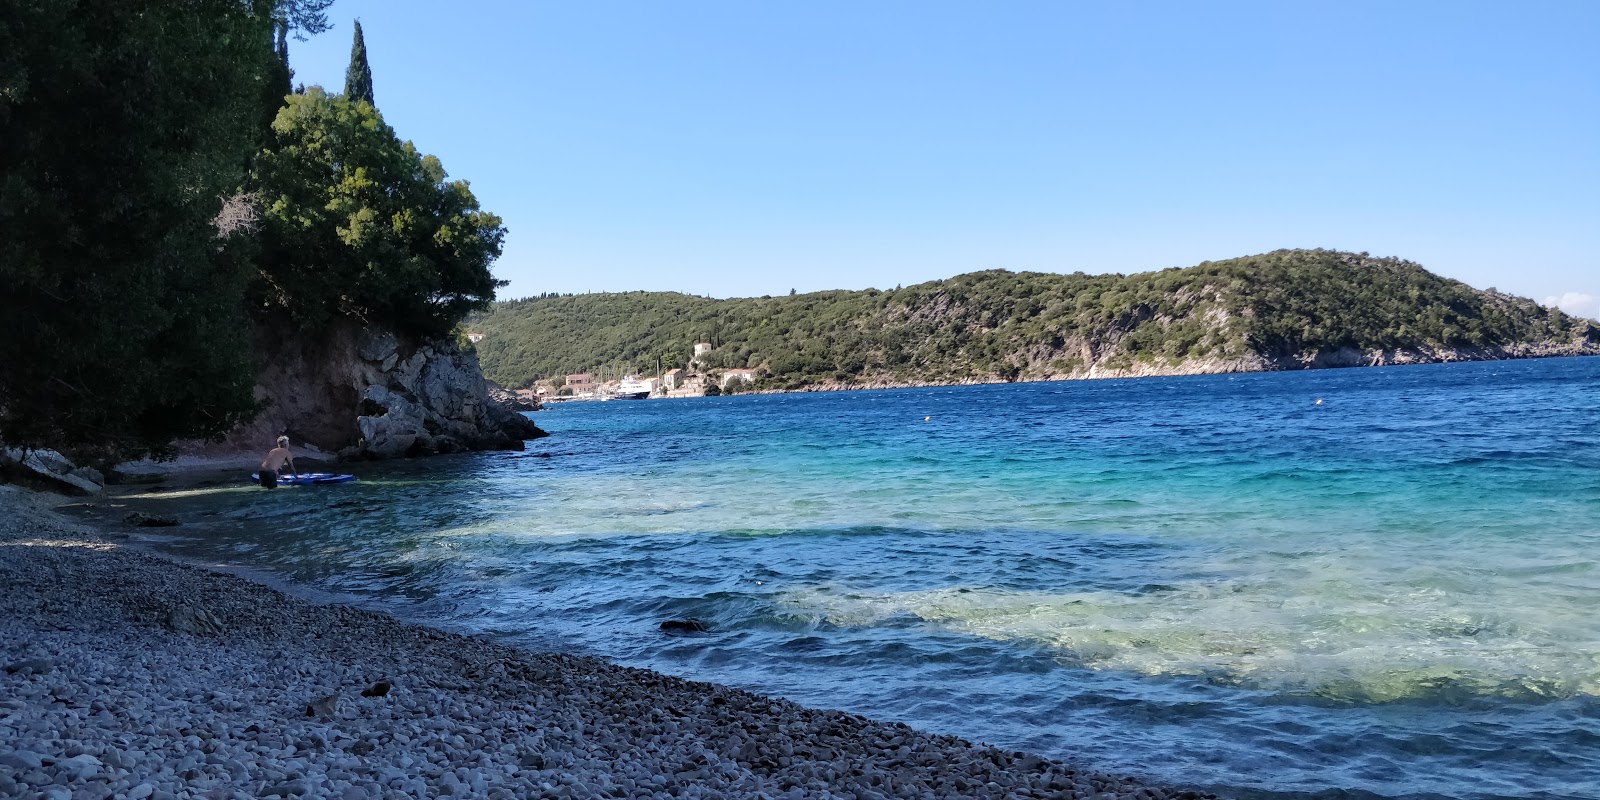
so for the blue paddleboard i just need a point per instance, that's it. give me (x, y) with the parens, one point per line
(307, 478)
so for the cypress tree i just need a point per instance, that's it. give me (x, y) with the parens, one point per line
(358, 77)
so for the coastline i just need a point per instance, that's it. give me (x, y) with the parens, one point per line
(142, 676)
(1344, 359)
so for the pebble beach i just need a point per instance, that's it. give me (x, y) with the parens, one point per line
(130, 675)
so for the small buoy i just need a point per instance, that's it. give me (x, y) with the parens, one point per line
(925, 419)
(1319, 401)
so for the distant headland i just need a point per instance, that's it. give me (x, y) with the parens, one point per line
(1288, 309)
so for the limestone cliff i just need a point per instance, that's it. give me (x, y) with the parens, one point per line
(373, 394)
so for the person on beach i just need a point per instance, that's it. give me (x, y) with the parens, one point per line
(276, 458)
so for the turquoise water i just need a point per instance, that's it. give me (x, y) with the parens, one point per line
(1209, 580)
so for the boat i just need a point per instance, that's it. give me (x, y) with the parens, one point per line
(632, 388)
(307, 478)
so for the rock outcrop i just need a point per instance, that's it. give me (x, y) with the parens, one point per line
(373, 394)
(512, 400)
(50, 469)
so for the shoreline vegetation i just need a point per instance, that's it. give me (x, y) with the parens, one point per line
(135, 675)
(196, 249)
(1285, 310)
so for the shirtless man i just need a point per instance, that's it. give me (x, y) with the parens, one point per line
(276, 458)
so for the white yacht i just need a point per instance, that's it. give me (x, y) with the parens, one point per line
(632, 388)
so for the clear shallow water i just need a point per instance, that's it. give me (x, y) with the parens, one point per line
(1208, 580)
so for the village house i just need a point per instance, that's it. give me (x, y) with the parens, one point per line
(673, 378)
(701, 350)
(740, 375)
(580, 384)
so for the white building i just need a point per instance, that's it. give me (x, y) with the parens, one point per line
(740, 375)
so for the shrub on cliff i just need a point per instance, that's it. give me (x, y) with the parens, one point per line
(358, 223)
(123, 125)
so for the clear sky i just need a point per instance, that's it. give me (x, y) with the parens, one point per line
(745, 148)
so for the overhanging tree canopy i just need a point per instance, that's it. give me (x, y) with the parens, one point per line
(123, 126)
(358, 223)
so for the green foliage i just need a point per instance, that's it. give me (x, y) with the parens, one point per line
(125, 124)
(358, 76)
(999, 325)
(358, 223)
(304, 17)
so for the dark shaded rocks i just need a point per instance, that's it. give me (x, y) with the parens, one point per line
(684, 626)
(31, 666)
(378, 689)
(194, 621)
(142, 520)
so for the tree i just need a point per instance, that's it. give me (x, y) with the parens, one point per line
(304, 17)
(357, 223)
(125, 124)
(358, 76)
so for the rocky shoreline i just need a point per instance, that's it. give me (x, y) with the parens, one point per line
(1341, 359)
(133, 676)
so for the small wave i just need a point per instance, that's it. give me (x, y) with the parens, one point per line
(1166, 630)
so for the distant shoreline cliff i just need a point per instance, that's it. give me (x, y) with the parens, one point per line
(1286, 310)
(1355, 360)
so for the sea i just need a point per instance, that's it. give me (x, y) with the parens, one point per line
(1333, 583)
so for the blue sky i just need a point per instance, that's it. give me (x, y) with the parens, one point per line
(747, 148)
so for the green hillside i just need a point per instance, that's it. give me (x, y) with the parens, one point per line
(1279, 310)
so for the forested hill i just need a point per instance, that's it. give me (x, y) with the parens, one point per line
(1282, 310)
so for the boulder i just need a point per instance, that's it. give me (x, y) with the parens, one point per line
(78, 768)
(379, 347)
(684, 626)
(515, 426)
(194, 621)
(323, 707)
(390, 425)
(53, 469)
(48, 461)
(31, 666)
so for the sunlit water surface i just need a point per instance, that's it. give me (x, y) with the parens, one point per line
(1212, 580)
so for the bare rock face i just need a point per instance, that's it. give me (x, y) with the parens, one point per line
(375, 394)
(432, 400)
(51, 469)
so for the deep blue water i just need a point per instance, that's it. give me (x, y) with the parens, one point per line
(1210, 580)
